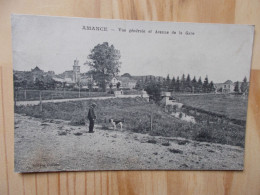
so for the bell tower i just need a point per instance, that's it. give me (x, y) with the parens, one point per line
(76, 71)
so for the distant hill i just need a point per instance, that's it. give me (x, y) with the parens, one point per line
(126, 75)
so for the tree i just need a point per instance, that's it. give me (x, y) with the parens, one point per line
(194, 84)
(159, 80)
(177, 85)
(199, 85)
(118, 85)
(49, 83)
(17, 82)
(194, 80)
(104, 60)
(168, 82)
(188, 79)
(205, 85)
(164, 85)
(154, 91)
(39, 84)
(138, 85)
(110, 87)
(146, 80)
(236, 89)
(182, 84)
(172, 85)
(244, 85)
(211, 87)
(188, 84)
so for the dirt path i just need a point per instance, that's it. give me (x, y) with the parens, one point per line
(53, 145)
(36, 102)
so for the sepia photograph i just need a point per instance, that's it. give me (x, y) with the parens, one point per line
(97, 94)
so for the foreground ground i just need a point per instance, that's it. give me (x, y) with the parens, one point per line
(54, 145)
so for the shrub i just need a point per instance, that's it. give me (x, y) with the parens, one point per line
(204, 135)
(78, 118)
(154, 91)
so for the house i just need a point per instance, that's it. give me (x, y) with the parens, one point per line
(229, 87)
(125, 82)
(114, 82)
(226, 87)
(37, 73)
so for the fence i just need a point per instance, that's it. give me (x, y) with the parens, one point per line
(30, 95)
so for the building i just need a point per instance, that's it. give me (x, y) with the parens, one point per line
(114, 81)
(37, 73)
(229, 87)
(71, 76)
(125, 82)
(76, 72)
(226, 87)
(74, 77)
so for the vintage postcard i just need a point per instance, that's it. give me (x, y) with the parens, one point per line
(96, 94)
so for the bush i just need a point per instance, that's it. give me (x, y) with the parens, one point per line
(154, 91)
(204, 135)
(78, 118)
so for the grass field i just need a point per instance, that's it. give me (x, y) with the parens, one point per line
(137, 114)
(232, 106)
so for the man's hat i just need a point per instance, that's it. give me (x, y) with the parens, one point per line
(94, 105)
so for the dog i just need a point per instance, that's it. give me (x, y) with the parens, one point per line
(116, 122)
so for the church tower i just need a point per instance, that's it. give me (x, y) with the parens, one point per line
(76, 71)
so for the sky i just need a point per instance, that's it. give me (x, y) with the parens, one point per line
(220, 51)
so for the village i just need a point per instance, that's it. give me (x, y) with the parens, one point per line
(74, 80)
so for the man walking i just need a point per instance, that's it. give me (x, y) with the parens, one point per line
(91, 117)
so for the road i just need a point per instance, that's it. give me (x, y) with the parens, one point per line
(36, 102)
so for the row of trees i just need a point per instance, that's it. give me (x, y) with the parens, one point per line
(241, 88)
(26, 81)
(183, 84)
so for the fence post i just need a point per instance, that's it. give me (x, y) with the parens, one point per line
(151, 122)
(40, 101)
